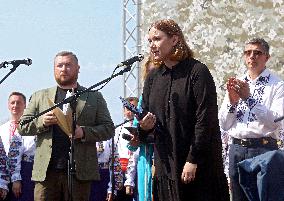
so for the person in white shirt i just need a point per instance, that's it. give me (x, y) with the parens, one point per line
(249, 109)
(102, 190)
(128, 170)
(131, 174)
(19, 151)
(4, 174)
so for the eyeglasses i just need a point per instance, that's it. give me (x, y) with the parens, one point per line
(247, 53)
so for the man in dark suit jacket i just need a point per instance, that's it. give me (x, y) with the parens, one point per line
(53, 144)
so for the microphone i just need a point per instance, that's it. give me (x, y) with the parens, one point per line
(132, 130)
(126, 136)
(148, 139)
(18, 62)
(278, 119)
(140, 114)
(132, 60)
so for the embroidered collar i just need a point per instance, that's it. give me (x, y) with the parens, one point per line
(262, 79)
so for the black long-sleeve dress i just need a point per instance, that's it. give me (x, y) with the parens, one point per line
(184, 101)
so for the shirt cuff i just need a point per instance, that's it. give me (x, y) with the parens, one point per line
(16, 177)
(109, 191)
(232, 108)
(4, 184)
(129, 183)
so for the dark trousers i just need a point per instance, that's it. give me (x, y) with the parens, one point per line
(99, 188)
(237, 153)
(27, 184)
(121, 194)
(55, 188)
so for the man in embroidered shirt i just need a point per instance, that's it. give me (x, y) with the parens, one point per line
(13, 144)
(4, 174)
(249, 110)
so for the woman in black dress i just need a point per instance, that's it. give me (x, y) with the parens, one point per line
(181, 101)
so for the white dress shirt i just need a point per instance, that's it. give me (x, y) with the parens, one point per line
(131, 171)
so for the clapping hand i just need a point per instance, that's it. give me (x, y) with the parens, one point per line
(17, 188)
(237, 90)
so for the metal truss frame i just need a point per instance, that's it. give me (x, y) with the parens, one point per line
(132, 46)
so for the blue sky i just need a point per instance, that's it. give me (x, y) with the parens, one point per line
(38, 29)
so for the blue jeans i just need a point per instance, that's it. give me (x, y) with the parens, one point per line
(238, 153)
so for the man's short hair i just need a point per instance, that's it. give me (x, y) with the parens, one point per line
(15, 93)
(261, 42)
(67, 53)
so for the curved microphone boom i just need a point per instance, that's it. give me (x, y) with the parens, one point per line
(132, 60)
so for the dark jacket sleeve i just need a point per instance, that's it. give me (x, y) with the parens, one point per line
(204, 91)
(34, 127)
(103, 128)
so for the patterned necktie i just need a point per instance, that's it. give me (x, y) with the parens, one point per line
(12, 129)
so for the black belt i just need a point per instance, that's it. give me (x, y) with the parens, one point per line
(255, 142)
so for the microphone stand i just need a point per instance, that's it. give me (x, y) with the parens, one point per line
(75, 96)
(72, 100)
(4, 65)
(71, 162)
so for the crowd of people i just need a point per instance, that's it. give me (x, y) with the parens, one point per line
(175, 148)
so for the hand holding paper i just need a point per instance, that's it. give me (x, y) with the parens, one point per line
(49, 119)
(63, 121)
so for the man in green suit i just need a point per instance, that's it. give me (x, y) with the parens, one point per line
(53, 144)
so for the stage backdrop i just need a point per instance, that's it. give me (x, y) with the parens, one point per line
(217, 30)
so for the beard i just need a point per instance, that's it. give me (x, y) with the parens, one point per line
(66, 82)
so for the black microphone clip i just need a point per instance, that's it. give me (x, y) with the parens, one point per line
(27, 62)
(16, 63)
(139, 113)
(132, 60)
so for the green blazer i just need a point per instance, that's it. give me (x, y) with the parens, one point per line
(93, 117)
